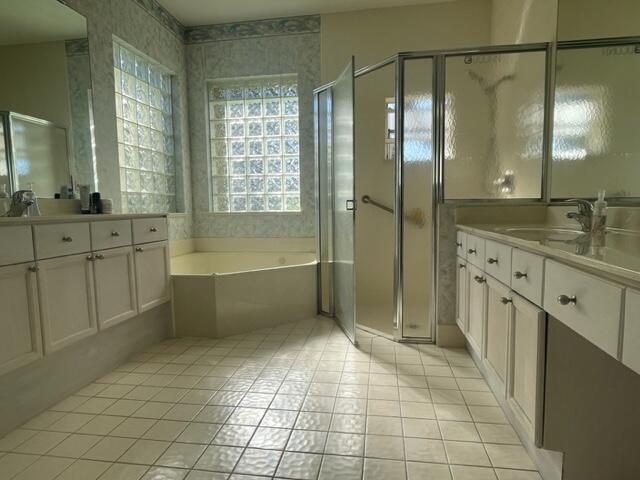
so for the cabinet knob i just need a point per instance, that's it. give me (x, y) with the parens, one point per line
(33, 268)
(461, 266)
(479, 279)
(491, 261)
(90, 258)
(472, 250)
(566, 300)
(115, 234)
(100, 256)
(520, 275)
(458, 244)
(506, 300)
(153, 229)
(139, 249)
(66, 238)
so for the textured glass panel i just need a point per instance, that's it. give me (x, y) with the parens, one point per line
(595, 138)
(220, 185)
(220, 203)
(253, 110)
(238, 204)
(145, 136)
(494, 125)
(292, 203)
(291, 165)
(256, 165)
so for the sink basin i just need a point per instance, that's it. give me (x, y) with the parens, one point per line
(543, 233)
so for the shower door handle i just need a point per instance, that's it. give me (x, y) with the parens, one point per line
(350, 205)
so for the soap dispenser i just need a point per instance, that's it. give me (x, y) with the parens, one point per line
(33, 210)
(599, 218)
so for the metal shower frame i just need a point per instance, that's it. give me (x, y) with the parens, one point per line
(439, 58)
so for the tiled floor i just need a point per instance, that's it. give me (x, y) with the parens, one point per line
(296, 402)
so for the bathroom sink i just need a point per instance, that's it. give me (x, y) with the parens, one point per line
(543, 233)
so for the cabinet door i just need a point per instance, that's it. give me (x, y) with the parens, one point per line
(525, 387)
(115, 286)
(20, 342)
(152, 275)
(66, 294)
(496, 338)
(462, 295)
(476, 313)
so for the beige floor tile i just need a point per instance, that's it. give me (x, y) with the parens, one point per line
(461, 472)
(84, 470)
(75, 445)
(509, 456)
(427, 471)
(497, 433)
(467, 453)
(144, 452)
(41, 443)
(459, 431)
(109, 449)
(425, 450)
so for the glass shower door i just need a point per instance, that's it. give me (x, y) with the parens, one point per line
(344, 200)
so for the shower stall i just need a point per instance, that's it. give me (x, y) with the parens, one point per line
(385, 136)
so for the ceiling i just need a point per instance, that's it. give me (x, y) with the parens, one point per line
(207, 12)
(46, 21)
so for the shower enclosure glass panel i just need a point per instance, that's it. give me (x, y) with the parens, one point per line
(417, 198)
(494, 125)
(375, 219)
(323, 135)
(344, 200)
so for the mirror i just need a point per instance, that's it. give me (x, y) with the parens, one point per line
(595, 144)
(45, 97)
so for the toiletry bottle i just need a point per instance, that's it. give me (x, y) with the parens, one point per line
(599, 218)
(3, 191)
(33, 210)
(85, 199)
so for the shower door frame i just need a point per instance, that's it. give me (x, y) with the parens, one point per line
(438, 80)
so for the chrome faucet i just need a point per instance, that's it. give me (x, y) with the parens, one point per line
(21, 200)
(584, 214)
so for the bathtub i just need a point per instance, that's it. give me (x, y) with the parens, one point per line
(217, 294)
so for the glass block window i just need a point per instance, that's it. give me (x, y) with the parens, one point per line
(255, 146)
(145, 133)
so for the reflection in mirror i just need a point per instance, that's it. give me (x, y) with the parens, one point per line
(47, 89)
(595, 139)
(494, 123)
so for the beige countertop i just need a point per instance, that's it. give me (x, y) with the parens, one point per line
(44, 219)
(618, 257)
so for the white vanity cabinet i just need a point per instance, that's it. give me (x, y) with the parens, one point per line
(631, 343)
(462, 299)
(152, 274)
(496, 335)
(476, 298)
(115, 286)
(525, 372)
(21, 341)
(66, 295)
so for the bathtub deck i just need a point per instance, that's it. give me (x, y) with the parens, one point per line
(295, 401)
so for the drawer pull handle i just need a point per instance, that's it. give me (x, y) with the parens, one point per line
(153, 229)
(99, 256)
(115, 234)
(461, 266)
(90, 257)
(491, 261)
(566, 300)
(34, 268)
(458, 244)
(67, 239)
(472, 250)
(519, 275)
(479, 279)
(506, 300)
(139, 249)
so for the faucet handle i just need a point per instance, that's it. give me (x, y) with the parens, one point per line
(584, 206)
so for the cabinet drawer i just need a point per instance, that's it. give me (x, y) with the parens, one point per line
(147, 230)
(461, 244)
(111, 234)
(16, 245)
(631, 342)
(592, 307)
(527, 270)
(61, 239)
(497, 261)
(475, 250)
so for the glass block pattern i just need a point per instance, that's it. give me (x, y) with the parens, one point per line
(145, 133)
(255, 145)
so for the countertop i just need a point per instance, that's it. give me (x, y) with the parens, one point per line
(618, 257)
(70, 218)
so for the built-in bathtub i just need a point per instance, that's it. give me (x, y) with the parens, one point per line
(217, 294)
